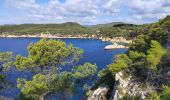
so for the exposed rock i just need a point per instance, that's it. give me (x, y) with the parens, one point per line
(5, 98)
(114, 46)
(127, 86)
(99, 93)
(168, 73)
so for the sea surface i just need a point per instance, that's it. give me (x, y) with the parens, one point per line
(93, 52)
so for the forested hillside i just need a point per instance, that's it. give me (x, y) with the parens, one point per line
(113, 29)
(65, 28)
(146, 64)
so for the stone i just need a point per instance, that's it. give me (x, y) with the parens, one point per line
(168, 73)
(129, 86)
(99, 93)
(5, 98)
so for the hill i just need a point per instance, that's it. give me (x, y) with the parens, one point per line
(114, 29)
(107, 24)
(64, 28)
(143, 72)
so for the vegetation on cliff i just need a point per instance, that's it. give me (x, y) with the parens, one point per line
(144, 59)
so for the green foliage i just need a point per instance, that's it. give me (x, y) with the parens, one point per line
(140, 44)
(154, 54)
(84, 71)
(154, 96)
(136, 56)
(103, 72)
(2, 77)
(64, 82)
(6, 61)
(47, 54)
(25, 97)
(159, 35)
(42, 84)
(65, 28)
(39, 85)
(127, 97)
(46, 59)
(5, 56)
(166, 93)
(122, 61)
(117, 66)
(145, 53)
(108, 30)
(118, 29)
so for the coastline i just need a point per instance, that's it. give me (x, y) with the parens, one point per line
(114, 40)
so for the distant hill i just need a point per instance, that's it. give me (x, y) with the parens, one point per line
(69, 27)
(106, 29)
(107, 24)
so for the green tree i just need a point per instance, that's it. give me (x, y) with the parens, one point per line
(154, 54)
(6, 61)
(47, 54)
(38, 86)
(140, 44)
(84, 71)
(166, 93)
(136, 56)
(46, 60)
(122, 62)
(154, 96)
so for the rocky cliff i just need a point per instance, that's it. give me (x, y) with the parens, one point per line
(125, 85)
(99, 93)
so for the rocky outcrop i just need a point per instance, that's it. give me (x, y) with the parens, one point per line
(93, 36)
(115, 39)
(5, 98)
(99, 93)
(126, 86)
(114, 46)
(168, 73)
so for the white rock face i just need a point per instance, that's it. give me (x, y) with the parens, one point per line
(99, 93)
(115, 46)
(126, 86)
(5, 98)
(168, 73)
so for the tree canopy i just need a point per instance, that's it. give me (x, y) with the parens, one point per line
(155, 53)
(46, 60)
(47, 54)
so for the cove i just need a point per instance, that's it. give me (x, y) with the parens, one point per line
(93, 52)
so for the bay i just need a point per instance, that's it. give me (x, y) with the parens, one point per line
(93, 52)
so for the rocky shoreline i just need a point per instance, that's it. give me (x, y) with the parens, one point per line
(114, 40)
(115, 46)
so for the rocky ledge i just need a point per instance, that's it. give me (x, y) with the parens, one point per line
(125, 85)
(99, 93)
(114, 46)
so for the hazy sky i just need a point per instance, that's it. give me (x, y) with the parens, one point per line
(85, 12)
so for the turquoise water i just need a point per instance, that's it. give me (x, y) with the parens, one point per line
(93, 52)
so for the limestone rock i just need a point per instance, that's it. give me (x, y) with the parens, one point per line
(114, 46)
(127, 86)
(5, 98)
(99, 93)
(168, 73)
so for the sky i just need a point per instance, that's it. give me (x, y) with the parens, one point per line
(85, 12)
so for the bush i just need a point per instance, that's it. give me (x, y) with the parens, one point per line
(166, 93)
(122, 61)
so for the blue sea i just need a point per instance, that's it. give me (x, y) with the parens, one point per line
(93, 52)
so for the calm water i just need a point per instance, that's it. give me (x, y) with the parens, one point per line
(93, 52)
